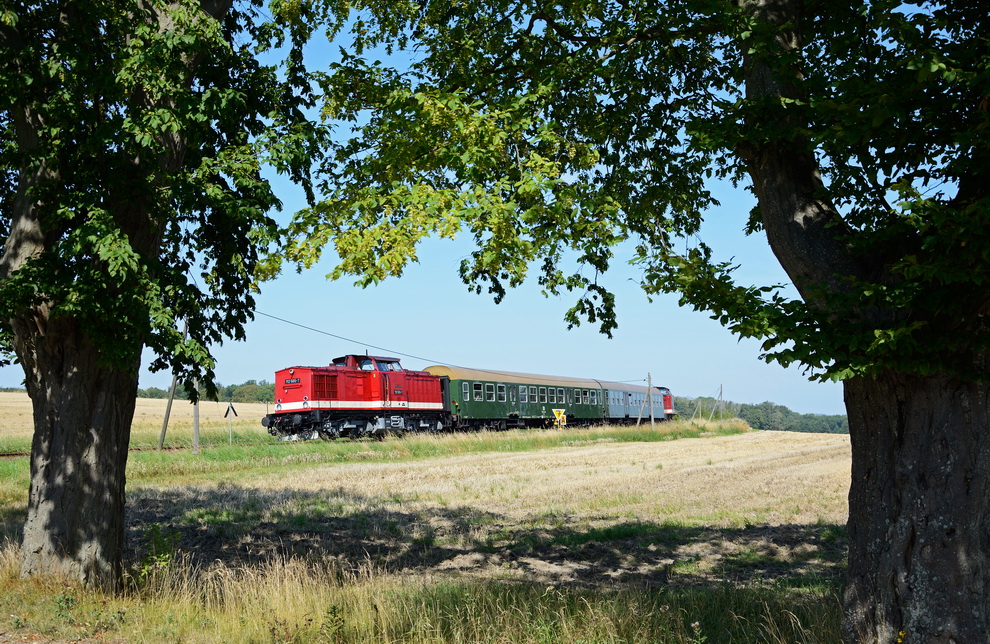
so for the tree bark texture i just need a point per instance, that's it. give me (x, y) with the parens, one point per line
(82, 416)
(919, 537)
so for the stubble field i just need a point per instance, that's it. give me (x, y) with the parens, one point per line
(738, 533)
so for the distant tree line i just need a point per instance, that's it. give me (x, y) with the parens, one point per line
(250, 391)
(765, 416)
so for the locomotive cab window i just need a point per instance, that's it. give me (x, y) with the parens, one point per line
(366, 364)
(479, 394)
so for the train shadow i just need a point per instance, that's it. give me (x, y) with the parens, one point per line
(246, 527)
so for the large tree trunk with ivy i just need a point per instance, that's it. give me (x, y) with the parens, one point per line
(919, 531)
(82, 417)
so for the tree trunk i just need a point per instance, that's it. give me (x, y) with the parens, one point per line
(919, 537)
(82, 416)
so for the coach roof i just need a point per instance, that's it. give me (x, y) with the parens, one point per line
(462, 373)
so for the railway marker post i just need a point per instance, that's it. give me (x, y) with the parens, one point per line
(230, 421)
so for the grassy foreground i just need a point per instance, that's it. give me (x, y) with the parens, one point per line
(302, 601)
(319, 594)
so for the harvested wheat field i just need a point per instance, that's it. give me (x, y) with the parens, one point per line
(756, 507)
(16, 416)
(16, 421)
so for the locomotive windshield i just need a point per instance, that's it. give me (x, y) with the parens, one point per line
(388, 365)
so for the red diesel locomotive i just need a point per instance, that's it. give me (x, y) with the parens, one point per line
(355, 396)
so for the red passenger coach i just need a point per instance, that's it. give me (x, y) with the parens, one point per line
(356, 396)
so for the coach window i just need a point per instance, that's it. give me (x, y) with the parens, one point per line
(522, 393)
(512, 394)
(584, 396)
(479, 392)
(532, 395)
(501, 393)
(594, 396)
(553, 395)
(465, 391)
(490, 392)
(543, 394)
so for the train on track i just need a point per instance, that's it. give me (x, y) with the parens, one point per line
(371, 396)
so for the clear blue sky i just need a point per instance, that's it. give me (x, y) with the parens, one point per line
(429, 313)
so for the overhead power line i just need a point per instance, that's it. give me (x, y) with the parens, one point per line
(390, 351)
(351, 340)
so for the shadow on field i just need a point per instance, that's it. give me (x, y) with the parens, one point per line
(12, 524)
(240, 526)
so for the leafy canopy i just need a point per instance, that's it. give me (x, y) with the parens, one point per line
(134, 133)
(552, 132)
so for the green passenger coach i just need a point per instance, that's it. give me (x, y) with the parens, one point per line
(481, 398)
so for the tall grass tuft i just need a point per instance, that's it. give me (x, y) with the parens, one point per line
(308, 600)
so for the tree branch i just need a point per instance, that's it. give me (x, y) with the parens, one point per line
(804, 229)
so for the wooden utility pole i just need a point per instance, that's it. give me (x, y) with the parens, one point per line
(196, 419)
(168, 412)
(719, 404)
(649, 385)
(171, 394)
(649, 398)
